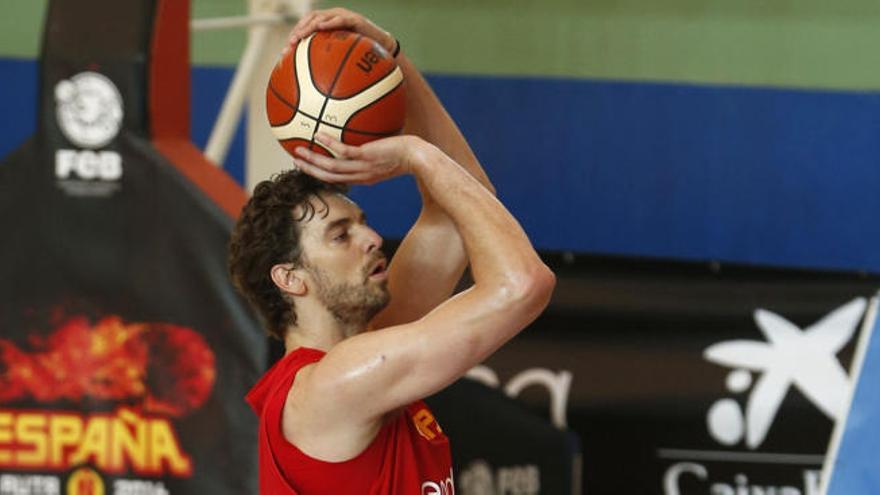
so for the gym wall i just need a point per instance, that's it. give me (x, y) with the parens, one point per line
(688, 129)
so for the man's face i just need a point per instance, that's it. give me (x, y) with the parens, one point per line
(342, 257)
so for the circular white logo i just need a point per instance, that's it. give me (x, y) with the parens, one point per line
(89, 109)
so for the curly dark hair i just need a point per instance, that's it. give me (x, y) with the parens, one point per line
(267, 233)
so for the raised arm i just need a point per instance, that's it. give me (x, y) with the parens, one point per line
(368, 375)
(431, 258)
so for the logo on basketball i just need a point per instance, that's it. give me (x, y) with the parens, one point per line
(88, 109)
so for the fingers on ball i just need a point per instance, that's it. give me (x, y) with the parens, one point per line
(319, 173)
(341, 149)
(319, 160)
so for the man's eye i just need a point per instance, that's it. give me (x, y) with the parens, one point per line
(341, 236)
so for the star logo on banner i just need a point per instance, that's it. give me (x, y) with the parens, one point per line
(791, 356)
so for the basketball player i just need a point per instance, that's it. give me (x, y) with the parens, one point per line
(341, 412)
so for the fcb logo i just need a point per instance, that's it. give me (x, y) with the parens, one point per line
(89, 109)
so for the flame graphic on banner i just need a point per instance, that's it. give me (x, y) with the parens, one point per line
(168, 369)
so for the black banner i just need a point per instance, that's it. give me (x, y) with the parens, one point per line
(685, 378)
(498, 446)
(124, 351)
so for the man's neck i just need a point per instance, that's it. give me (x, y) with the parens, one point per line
(320, 331)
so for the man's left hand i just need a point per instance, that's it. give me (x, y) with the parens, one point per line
(340, 18)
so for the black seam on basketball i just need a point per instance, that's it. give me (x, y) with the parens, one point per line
(295, 112)
(357, 131)
(380, 134)
(295, 80)
(332, 85)
(368, 105)
(316, 144)
(309, 116)
(281, 97)
(287, 103)
(377, 81)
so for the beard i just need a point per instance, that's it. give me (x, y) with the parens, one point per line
(351, 304)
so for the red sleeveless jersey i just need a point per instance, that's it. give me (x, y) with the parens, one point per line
(409, 456)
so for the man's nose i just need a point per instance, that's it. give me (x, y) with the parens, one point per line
(373, 241)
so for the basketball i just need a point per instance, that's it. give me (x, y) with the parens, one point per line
(337, 82)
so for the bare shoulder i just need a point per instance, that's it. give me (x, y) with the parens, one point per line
(296, 407)
(310, 423)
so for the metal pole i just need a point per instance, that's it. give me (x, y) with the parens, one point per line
(230, 112)
(241, 21)
(265, 29)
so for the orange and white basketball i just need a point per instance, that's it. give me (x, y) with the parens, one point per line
(338, 82)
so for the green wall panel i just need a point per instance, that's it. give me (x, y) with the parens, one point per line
(221, 47)
(21, 23)
(808, 43)
(811, 43)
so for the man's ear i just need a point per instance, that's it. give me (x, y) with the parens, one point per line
(288, 279)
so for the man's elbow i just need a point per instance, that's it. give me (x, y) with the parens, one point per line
(533, 287)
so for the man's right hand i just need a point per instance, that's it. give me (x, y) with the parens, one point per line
(366, 164)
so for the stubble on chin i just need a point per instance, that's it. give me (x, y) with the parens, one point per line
(351, 304)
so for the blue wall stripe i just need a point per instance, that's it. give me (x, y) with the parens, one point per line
(779, 177)
(18, 102)
(750, 175)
